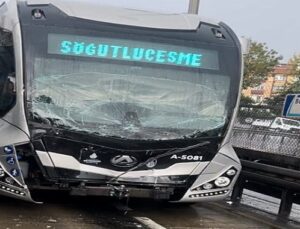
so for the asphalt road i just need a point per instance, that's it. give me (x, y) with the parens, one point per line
(62, 212)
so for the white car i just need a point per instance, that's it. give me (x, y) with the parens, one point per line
(285, 124)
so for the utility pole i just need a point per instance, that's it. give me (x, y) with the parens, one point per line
(194, 6)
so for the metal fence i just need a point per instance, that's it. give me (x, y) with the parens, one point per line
(261, 128)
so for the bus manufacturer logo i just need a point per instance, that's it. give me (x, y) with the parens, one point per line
(124, 161)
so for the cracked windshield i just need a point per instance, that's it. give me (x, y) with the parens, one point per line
(128, 99)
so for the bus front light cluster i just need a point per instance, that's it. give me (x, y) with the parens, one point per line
(221, 182)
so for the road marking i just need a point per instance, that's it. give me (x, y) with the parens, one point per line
(149, 223)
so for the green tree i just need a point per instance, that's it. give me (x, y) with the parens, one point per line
(246, 100)
(295, 65)
(259, 62)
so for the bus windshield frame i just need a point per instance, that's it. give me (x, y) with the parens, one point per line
(62, 89)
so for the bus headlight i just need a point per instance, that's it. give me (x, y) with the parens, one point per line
(222, 182)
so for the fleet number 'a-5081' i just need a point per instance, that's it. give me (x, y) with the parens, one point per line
(187, 157)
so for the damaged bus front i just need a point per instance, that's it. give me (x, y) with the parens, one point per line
(104, 101)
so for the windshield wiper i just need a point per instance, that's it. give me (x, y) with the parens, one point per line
(48, 120)
(214, 132)
(50, 123)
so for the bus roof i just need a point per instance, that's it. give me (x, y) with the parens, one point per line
(93, 10)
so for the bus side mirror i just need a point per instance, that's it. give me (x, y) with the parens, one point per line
(245, 44)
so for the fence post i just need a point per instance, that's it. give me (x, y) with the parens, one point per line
(286, 203)
(238, 189)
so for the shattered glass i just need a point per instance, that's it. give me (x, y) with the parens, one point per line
(127, 101)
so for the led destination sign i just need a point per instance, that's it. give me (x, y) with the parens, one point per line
(129, 50)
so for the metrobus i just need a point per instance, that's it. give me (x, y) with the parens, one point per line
(104, 101)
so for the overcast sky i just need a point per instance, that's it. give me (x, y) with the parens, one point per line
(275, 22)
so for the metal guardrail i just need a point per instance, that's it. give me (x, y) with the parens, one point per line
(270, 157)
(250, 134)
(268, 141)
(280, 160)
(271, 180)
(275, 170)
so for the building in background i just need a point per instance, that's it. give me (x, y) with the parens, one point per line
(276, 82)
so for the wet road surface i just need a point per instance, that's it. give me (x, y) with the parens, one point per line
(63, 212)
(67, 213)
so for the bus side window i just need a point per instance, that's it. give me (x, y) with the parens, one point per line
(7, 73)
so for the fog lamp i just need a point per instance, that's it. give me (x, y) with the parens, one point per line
(231, 172)
(208, 186)
(222, 182)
